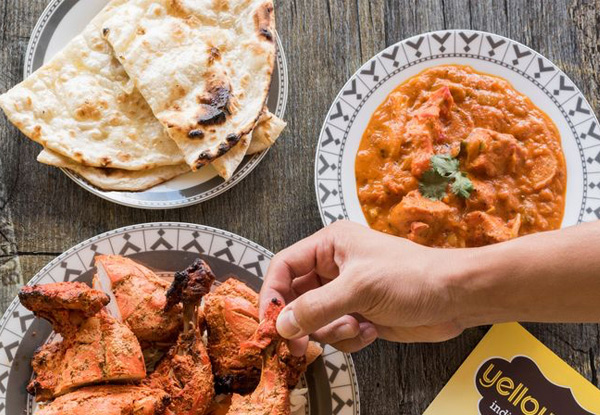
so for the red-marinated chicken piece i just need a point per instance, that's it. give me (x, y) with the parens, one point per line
(543, 167)
(271, 396)
(291, 366)
(296, 366)
(492, 154)
(483, 196)
(231, 313)
(141, 297)
(484, 229)
(65, 304)
(109, 400)
(186, 373)
(437, 106)
(427, 127)
(422, 218)
(266, 332)
(95, 347)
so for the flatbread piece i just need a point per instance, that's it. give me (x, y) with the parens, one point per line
(203, 66)
(82, 105)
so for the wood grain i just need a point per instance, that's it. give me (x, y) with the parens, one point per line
(43, 213)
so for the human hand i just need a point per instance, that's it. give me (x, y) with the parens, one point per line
(347, 285)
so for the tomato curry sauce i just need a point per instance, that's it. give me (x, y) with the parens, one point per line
(507, 147)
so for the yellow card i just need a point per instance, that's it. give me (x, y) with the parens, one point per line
(511, 373)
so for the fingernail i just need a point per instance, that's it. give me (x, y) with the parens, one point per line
(287, 325)
(368, 332)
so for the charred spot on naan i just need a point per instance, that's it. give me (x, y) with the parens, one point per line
(107, 172)
(218, 96)
(196, 134)
(214, 104)
(210, 115)
(207, 156)
(214, 54)
(263, 21)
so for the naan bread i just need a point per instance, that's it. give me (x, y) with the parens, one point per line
(263, 136)
(115, 179)
(226, 165)
(203, 66)
(267, 131)
(83, 105)
(268, 128)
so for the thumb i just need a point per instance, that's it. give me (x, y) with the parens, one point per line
(315, 309)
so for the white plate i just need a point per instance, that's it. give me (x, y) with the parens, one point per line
(528, 71)
(62, 21)
(165, 247)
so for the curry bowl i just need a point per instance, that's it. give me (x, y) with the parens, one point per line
(528, 72)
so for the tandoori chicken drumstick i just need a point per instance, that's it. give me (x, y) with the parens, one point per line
(272, 395)
(186, 373)
(231, 313)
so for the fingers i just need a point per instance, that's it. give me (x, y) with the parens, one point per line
(298, 346)
(347, 334)
(313, 255)
(316, 309)
(344, 328)
(367, 334)
(419, 334)
(306, 283)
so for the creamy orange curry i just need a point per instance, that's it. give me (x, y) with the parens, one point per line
(456, 158)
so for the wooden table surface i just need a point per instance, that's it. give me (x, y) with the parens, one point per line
(43, 213)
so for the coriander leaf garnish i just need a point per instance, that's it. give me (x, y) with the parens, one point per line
(444, 164)
(462, 186)
(444, 170)
(433, 185)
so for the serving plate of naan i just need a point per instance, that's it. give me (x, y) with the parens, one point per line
(153, 103)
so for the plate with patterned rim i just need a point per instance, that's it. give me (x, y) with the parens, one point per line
(64, 19)
(529, 72)
(164, 247)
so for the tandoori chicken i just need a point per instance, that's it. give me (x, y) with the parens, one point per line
(186, 373)
(95, 347)
(272, 395)
(248, 358)
(110, 400)
(231, 313)
(141, 297)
